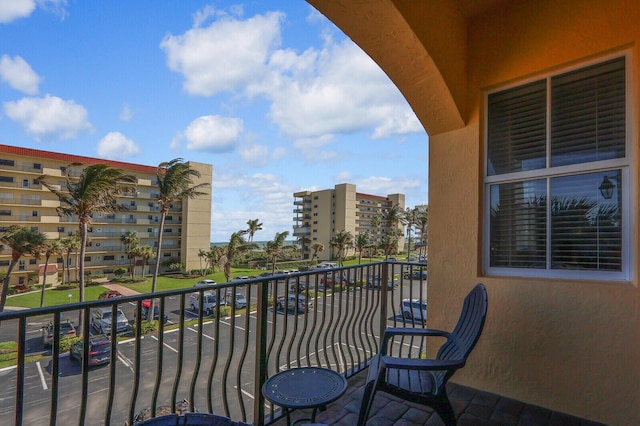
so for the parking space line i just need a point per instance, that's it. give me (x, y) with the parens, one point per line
(123, 359)
(229, 324)
(165, 344)
(41, 374)
(204, 335)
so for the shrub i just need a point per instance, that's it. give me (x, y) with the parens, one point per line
(66, 342)
(147, 326)
(224, 311)
(119, 272)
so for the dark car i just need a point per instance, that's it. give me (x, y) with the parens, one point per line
(66, 329)
(416, 275)
(146, 304)
(99, 350)
(109, 294)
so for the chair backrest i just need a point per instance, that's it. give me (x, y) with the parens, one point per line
(467, 331)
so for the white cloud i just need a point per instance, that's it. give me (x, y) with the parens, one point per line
(213, 133)
(226, 55)
(279, 152)
(49, 117)
(254, 154)
(126, 114)
(116, 146)
(19, 74)
(380, 185)
(10, 10)
(260, 195)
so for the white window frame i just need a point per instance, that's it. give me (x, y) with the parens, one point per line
(626, 165)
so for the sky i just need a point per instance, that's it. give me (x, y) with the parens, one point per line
(270, 93)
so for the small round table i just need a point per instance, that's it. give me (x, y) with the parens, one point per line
(304, 387)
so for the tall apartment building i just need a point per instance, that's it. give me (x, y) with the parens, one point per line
(319, 215)
(25, 202)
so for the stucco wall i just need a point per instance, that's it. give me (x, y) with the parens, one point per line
(560, 344)
(567, 345)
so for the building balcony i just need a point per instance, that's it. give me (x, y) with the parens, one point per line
(212, 363)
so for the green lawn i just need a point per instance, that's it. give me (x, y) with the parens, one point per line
(53, 297)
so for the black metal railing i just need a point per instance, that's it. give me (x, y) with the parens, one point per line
(325, 317)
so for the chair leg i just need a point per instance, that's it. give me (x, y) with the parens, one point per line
(367, 402)
(445, 411)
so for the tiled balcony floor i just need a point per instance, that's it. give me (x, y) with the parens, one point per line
(472, 408)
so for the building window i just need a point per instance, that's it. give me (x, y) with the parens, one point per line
(557, 175)
(21, 265)
(5, 212)
(5, 162)
(60, 228)
(87, 258)
(109, 257)
(34, 213)
(32, 261)
(6, 179)
(37, 166)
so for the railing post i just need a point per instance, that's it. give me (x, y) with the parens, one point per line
(260, 374)
(384, 279)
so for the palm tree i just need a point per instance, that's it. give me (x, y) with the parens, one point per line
(50, 248)
(175, 184)
(317, 248)
(342, 241)
(130, 241)
(254, 226)
(375, 223)
(203, 255)
(94, 191)
(422, 222)
(362, 242)
(410, 218)
(304, 241)
(22, 241)
(71, 244)
(392, 218)
(214, 255)
(237, 245)
(145, 252)
(275, 248)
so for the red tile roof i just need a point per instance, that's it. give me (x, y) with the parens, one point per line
(36, 153)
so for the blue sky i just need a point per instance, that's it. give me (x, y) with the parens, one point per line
(270, 93)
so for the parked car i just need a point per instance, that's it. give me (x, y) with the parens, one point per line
(413, 309)
(302, 303)
(101, 321)
(416, 275)
(240, 302)
(146, 304)
(375, 282)
(99, 350)
(109, 294)
(209, 302)
(66, 329)
(204, 282)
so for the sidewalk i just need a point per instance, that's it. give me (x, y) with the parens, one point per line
(122, 289)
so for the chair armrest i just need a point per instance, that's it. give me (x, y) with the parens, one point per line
(413, 332)
(420, 364)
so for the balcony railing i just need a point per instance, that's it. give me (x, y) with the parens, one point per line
(218, 363)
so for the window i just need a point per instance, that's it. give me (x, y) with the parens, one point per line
(32, 261)
(37, 166)
(6, 179)
(60, 228)
(557, 173)
(5, 212)
(5, 162)
(109, 257)
(34, 213)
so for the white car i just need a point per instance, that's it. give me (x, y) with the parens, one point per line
(101, 321)
(303, 303)
(208, 304)
(414, 309)
(204, 282)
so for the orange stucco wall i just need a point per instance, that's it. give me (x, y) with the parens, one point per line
(572, 346)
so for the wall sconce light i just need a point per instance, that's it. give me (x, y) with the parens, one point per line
(606, 188)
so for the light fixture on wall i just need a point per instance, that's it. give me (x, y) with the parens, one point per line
(606, 188)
